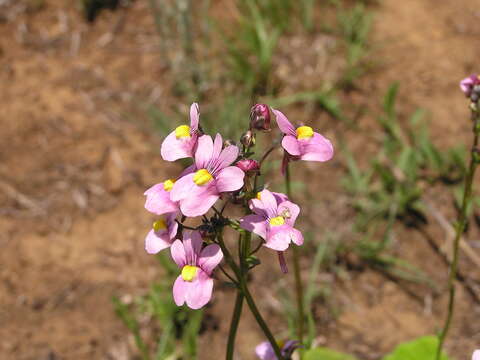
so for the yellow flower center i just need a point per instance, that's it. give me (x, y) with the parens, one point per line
(259, 195)
(168, 184)
(304, 132)
(189, 272)
(280, 343)
(202, 177)
(160, 224)
(182, 131)
(277, 221)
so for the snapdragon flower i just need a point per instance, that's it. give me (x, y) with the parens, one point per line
(212, 175)
(303, 143)
(194, 285)
(158, 198)
(273, 220)
(162, 234)
(264, 350)
(181, 143)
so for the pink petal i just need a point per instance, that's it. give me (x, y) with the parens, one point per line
(256, 224)
(287, 207)
(227, 157)
(290, 144)
(217, 147)
(180, 290)
(280, 197)
(200, 291)
(173, 149)
(279, 237)
(172, 225)
(318, 148)
(204, 151)
(178, 253)
(192, 243)
(269, 203)
(229, 179)
(194, 116)
(210, 257)
(258, 208)
(158, 200)
(297, 237)
(157, 241)
(200, 200)
(285, 126)
(182, 188)
(264, 351)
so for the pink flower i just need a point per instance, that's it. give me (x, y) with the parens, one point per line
(158, 198)
(264, 351)
(181, 142)
(467, 84)
(198, 191)
(162, 234)
(194, 285)
(476, 355)
(303, 143)
(273, 220)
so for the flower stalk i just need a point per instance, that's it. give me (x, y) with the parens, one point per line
(296, 271)
(460, 228)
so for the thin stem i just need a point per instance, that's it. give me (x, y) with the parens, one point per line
(246, 293)
(460, 228)
(296, 270)
(237, 312)
(227, 275)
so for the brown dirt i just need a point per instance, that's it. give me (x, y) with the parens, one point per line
(74, 165)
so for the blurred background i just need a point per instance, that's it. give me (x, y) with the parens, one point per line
(88, 88)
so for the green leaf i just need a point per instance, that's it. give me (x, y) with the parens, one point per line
(422, 348)
(323, 353)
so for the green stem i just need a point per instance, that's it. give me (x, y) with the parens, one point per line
(296, 271)
(237, 312)
(248, 297)
(460, 228)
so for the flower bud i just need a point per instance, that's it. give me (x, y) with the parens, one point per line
(260, 117)
(248, 165)
(471, 87)
(248, 139)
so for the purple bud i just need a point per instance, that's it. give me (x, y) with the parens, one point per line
(248, 139)
(260, 117)
(248, 165)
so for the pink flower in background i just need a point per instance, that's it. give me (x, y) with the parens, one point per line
(213, 175)
(181, 142)
(467, 84)
(162, 234)
(476, 355)
(194, 285)
(302, 142)
(273, 220)
(264, 350)
(158, 198)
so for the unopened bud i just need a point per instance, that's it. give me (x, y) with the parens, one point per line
(248, 139)
(260, 117)
(248, 165)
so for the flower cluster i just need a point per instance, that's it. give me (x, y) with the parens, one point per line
(222, 171)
